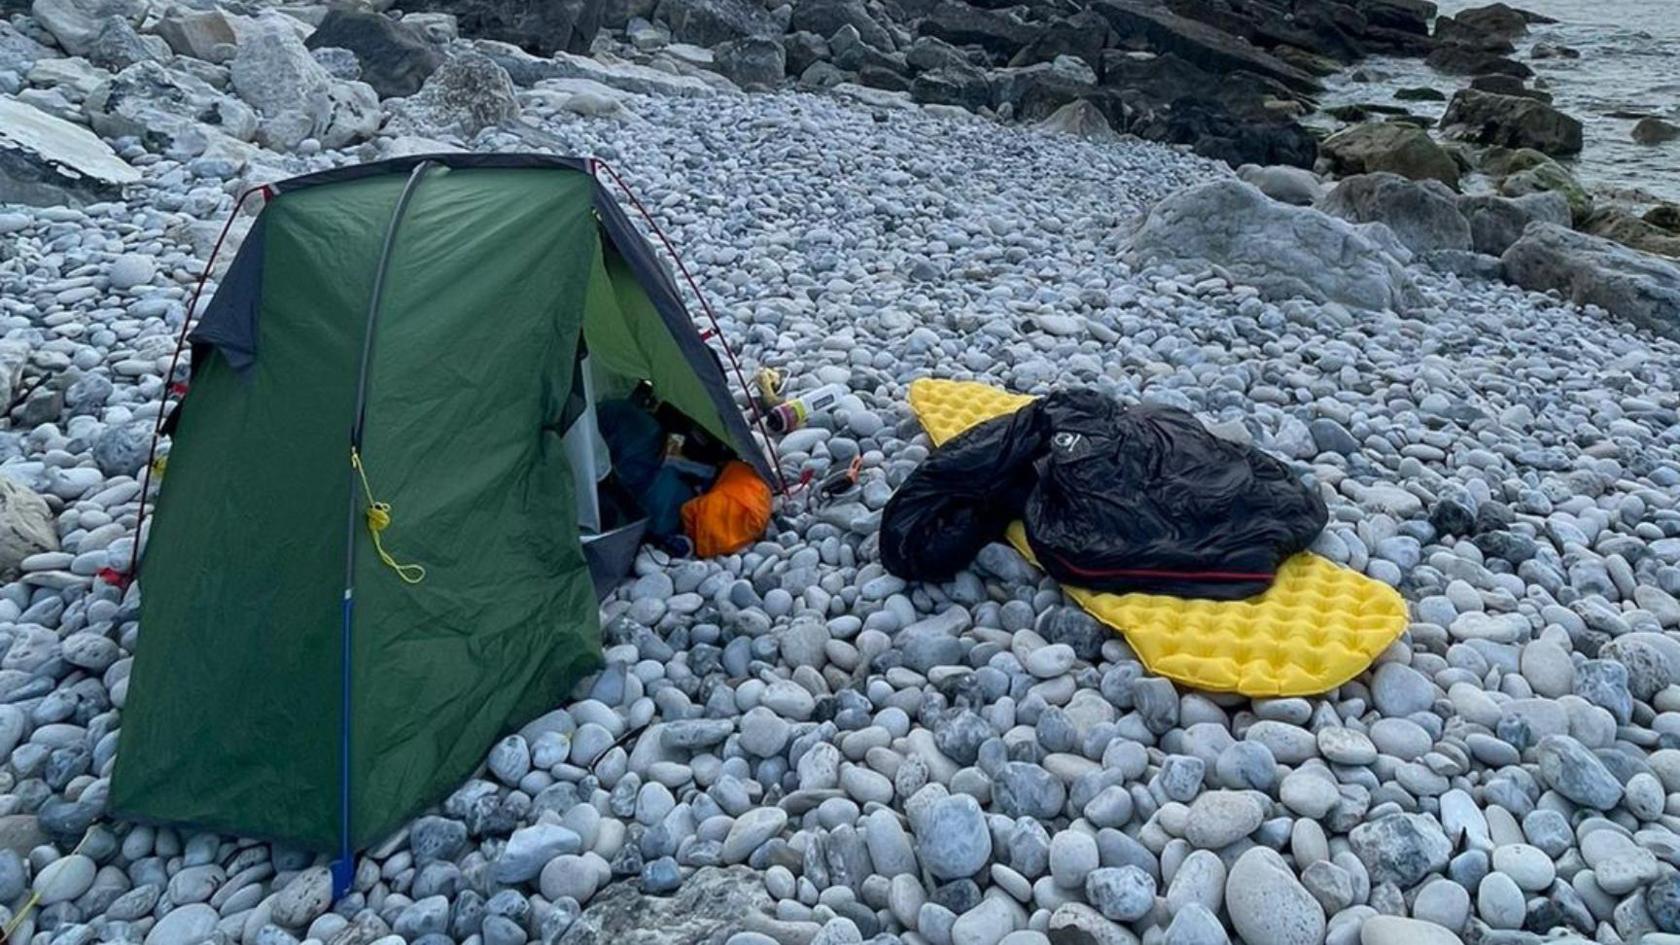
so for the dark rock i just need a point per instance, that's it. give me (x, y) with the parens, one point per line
(1464, 60)
(1495, 20)
(1508, 85)
(1587, 269)
(753, 63)
(1511, 546)
(1035, 92)
(800, 50)
(882, 77)
(1390, 147)
(1665, 215)
(961, 24)
(1459, 33)
(1497, 222)
(928, 53)
(1403, 16)
(709, 22)
(1423, 214)
(851, 52)
(395, 58)
(1083, 35)
(964, 88)
(1514, 122)
(1421, 94)
(1199, 43)
(538, 28)
(1652, 130)
(1214, 132)
(1553, 51)
(823, 17)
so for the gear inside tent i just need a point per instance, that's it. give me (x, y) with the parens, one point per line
(436, 404)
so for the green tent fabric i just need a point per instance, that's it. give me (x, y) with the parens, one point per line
(263, 701)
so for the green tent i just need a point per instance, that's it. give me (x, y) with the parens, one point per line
(428, 313)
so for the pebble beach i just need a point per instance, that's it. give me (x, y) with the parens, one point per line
(790, 746)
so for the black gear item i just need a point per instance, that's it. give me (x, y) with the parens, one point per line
(1114, 497)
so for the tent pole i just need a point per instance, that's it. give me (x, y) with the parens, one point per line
(122, 580)
(717, 328)
(344, 868)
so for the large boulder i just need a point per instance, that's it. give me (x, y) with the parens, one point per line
(47, 161)
(1455, 59)
(1295, 185)
(1512, 121)
(295, 96)
(711, 905)
(1496, 21)
(752, 63)
(26, 526)
(394, 57)
(465, 95)
(1423, 214)
(824, 17)
(77, 23)
(709, 22)
(541, 27)
(210, 34)
(1501, 84)
(1214, 131)
(1391, 147)
(1284, 251)
(998, 32)
(166, 109)
(1497, 222)
(1591, 270)
(1527, 171)
(1084, 120)
(1206, 46)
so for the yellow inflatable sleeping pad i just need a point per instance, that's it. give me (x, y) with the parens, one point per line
(1318, 625)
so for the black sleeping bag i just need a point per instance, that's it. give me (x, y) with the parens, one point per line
(1114, 498)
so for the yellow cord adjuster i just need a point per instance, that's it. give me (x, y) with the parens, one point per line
(379, 519)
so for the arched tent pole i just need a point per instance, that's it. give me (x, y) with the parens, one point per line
(122, 580)
(717, 328)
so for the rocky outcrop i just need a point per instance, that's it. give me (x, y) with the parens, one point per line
(201, 34)
(46, 160)
(1527, 171)
(754, 63)
(1591, 270)
(1514, 122)
(1390, 147)
(709, 22)
(711, 905)
(537, 27)
(1198, 42)
(1282, 250)
(394, 57)
(1423, 214)
(998, 32)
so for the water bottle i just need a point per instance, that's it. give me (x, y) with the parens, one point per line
(790, 416)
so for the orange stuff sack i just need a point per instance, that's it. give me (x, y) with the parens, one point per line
(729, 515)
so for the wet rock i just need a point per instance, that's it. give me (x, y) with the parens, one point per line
(1512, 121)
